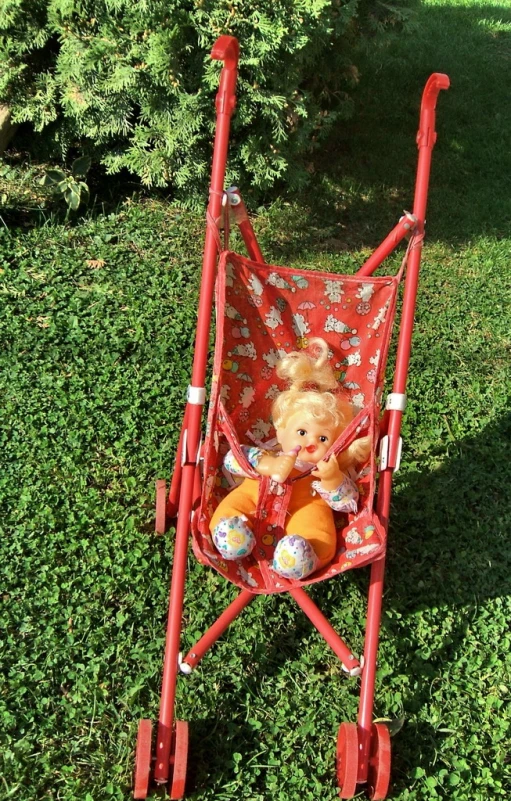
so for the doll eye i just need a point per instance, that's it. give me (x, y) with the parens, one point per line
(323, 439)
(302, 432)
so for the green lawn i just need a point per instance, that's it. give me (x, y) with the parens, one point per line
(97, 326)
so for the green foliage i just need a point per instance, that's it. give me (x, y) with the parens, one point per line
(73, 190)
(20, 189)
(136, 82)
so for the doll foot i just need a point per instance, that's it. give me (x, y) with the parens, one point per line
(294, 557)
(233, 537)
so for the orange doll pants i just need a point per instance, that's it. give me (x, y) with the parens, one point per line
(308, 514)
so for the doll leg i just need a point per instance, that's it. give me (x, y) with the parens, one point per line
(309, 543)
(233, 537)
(230, 525)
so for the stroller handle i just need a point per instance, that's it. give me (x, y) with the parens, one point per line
(426, 136)
(434, 85)
(226, 49)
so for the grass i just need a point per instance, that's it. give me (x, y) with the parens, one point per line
(97, 325)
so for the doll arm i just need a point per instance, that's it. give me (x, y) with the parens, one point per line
(335, 487)
(278, 467)
(342, 499)
(253, 456)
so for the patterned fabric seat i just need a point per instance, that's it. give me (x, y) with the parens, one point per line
(265, 311)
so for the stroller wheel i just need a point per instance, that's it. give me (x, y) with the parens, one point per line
(143, 759)
(347, 759)
(378, 777)
(160, 525)
(179, 760)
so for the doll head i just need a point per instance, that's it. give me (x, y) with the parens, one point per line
(312, 412)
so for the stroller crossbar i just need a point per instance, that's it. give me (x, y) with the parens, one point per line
(264, 309)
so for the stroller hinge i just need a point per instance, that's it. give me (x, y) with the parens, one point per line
(385, 454)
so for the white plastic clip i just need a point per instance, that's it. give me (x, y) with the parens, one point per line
(354, 671)
(384, 453)
(412, 220)
(184, 667)
(184, 447)
(396, 401)
(196, 396)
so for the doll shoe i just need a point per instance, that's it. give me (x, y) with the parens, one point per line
(233, 537)
(294, 557)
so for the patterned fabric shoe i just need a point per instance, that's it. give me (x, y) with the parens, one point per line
(233, 537)
(294, 557)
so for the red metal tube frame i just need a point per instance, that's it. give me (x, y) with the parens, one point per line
(426, 139)
(215, 631)
(326, 630)
(405, 226)
(226, 49)
(240, 216)
(185, 482)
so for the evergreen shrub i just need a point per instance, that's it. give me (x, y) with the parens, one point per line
(131, 84)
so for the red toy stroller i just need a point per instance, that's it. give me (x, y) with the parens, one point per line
(261, 311)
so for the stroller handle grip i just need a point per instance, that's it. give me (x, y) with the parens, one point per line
(426, 136)
(434, 85)
(226, 49)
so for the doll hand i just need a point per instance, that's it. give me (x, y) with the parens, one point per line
(328, 471)
(282, 466)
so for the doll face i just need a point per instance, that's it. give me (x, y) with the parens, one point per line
(313, 436)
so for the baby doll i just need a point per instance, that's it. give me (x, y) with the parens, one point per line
(308, 417)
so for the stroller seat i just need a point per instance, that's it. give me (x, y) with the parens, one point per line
(263, 312)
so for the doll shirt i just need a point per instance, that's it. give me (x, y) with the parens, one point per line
(252, 454)
(343, 499)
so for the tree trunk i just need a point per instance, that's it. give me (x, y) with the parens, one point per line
(7, 129)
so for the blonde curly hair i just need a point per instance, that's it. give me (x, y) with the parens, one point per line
(314, 390)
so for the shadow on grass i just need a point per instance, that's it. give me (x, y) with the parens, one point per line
(224, 745)
(449, 554)
(365, 174)
(35, 207)
(450, 527)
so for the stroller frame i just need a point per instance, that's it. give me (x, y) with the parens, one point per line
(363, 749)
